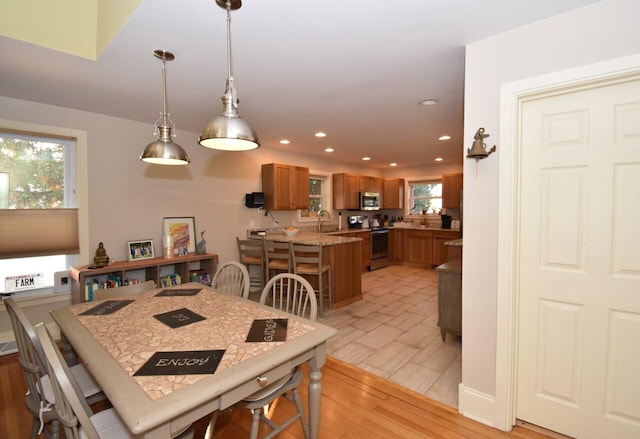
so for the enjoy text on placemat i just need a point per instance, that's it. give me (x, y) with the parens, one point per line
(182, 363)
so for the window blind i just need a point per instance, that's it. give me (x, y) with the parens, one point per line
(38, 232)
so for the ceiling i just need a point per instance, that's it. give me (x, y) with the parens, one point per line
(355, 69)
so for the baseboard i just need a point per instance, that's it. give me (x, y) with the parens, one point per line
(476, 405)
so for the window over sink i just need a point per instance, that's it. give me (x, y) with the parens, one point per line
(319, 196)
(425, 196)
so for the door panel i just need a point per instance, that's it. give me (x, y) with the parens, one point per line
(578, 367)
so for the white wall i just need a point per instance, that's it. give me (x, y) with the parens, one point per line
(602, 31)
(128, 198)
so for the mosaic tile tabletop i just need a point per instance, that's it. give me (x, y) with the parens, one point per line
(132, 335)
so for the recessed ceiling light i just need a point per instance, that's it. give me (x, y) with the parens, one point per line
(328, 149)
(428, 102)
(285, 142)
(444, 138)
(366, 158)
(393, 164)
(439, 159)
(321, 134)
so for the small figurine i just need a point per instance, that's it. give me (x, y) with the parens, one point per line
(201, 247)
(101, 258)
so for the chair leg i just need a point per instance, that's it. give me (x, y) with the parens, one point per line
(255, 423)
(303, 419)
(208, 434)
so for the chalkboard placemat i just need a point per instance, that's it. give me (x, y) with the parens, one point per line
(179, 292)
(181, 363)
(108, 307)
(268, 330)
(179, 317)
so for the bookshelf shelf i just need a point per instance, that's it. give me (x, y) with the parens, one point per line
(147, 269)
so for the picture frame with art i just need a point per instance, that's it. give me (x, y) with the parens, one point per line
(138, 250)
(183, 231)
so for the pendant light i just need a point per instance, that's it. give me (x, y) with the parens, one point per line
(227, 132)
(164, 151)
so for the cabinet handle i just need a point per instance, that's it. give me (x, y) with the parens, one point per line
(262, 381)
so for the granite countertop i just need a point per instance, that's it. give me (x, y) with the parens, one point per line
(454, 243)
(312, 238)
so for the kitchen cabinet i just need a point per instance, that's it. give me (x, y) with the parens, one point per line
(285, 187)
(451, 190)
(345, 191)
(370, 184)
(439, 249)
(450, 298)
(419, 247)
(396, 245)
(142, 270)
(393, 193)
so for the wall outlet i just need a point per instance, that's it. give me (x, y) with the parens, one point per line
(61, 281)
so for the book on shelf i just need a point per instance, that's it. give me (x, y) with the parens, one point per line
(169, 280)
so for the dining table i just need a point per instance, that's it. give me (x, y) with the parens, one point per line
(170, 356)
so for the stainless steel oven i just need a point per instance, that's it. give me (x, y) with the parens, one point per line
(379, 248)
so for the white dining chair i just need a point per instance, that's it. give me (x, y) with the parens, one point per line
(78, 419)
(127, 290)
(232, 277)
(40, 398)
(295, 295)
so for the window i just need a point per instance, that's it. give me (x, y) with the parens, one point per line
(318, 195)
(425, 196)
(36, 172)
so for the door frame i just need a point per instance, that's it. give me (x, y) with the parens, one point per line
(512, 97)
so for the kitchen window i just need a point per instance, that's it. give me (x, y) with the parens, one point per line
(318, 197)
(37, 174)
(425, 197)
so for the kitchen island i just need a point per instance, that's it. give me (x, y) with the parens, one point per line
(343, 254)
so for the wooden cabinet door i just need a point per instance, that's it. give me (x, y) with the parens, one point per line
(439, 249)
(419, 247)
(396, 245)
(393, 193)
(345, 191)
(285, 187)
(451, 187)
(300, 188)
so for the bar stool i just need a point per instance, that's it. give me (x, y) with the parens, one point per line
(251, 252)
(307, 261)
(277, 258)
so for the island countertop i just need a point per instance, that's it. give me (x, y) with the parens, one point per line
(312, 238)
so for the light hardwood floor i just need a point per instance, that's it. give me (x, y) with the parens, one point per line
(393, 333)
(355, 405)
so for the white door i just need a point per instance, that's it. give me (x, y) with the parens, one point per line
(578, 369)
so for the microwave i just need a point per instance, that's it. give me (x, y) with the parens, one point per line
(369, 200)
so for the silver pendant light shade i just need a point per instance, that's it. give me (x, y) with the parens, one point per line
(228, 132)
(164, 151)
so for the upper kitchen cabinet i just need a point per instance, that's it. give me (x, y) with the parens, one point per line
(393, 193)
(285, 187)
(345, 191)
(370, 184)
(451, 190)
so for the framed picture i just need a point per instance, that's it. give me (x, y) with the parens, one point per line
(183, 231)
(140, 250)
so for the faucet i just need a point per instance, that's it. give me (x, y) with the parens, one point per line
(320, 213)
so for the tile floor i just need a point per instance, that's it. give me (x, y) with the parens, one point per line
(393, 333)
